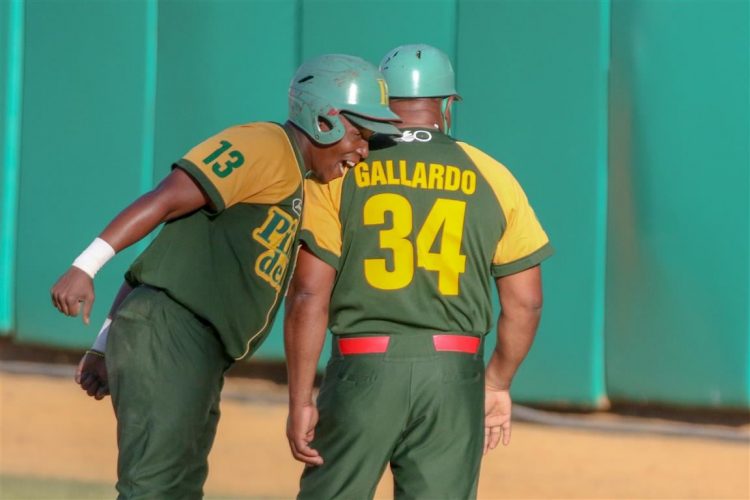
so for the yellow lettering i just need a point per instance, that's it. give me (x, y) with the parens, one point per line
(274, 229)
(436, 176)
(420, 175)
(389, 173)
(271, 266)
(452, 178)
(378, 175)
(424, 176)
(362, 175)
(403, 174)
(277, 235)
(468, 182)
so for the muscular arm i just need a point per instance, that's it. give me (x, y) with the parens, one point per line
(176, 195)
(305, 325)
(521, 307)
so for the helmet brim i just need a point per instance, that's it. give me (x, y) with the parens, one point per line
(379, 127)
(457, 96)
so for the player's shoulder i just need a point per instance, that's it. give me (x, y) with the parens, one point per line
(484, 161)
(257, 132)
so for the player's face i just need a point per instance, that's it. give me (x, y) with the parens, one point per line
(331, 161)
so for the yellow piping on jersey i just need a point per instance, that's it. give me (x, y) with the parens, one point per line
(420, 176)
(290, 269)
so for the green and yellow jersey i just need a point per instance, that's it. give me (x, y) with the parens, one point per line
(229, 264)
(416, 232)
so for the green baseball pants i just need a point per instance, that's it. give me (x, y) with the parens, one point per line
(166, 370)
(419, 409)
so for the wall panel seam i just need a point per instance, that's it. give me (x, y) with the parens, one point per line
(151, 32)
(11, 163)
(598, 364)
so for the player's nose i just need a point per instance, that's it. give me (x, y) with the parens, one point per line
(363, 149)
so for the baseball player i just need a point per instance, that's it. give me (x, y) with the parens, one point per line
(398, 260)
(205, 292)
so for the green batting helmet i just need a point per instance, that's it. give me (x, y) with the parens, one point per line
(418, 70)
(328, 85)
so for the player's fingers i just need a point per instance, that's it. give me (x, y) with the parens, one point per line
(304, 450)
(58, 298)
(301, 457)
(101, 392)
(60, 304)
(87, 305)
(86, 380)
(486, 440)
(91, 391)
(494, 437)
(306, 454)
(72, 306)
(91, 383)
(506, 433)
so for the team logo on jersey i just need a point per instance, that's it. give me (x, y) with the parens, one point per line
(417, 135)
(277, 235)
(297, 206)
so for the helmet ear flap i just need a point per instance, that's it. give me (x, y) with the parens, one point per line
(332, 118)
(307, 112)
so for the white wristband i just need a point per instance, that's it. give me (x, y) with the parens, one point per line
(94, 257)
(100, 344)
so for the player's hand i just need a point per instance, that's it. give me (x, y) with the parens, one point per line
(91, 375)
(300, 431)
(74, 288)
(497, 410)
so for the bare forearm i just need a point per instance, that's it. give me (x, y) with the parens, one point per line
(304, 336)
(521, 304)
(305, 323)
(175, 196)
(134, 223)
(515, 336)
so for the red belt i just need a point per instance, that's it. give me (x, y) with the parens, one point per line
(374, 345)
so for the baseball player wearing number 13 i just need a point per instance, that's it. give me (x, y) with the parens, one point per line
(402, 250)
(206, 290)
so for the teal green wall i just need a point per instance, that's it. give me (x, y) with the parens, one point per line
(535, 96)
(220, 64)
(634, 156)
(678, 256)
(84, 131)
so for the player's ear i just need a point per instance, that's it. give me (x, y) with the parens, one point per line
(447, 115)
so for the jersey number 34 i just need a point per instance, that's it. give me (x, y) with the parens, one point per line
(448, 261)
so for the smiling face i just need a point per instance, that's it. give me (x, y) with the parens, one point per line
(328, 162)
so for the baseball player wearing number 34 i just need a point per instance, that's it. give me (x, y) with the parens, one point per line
(402, 250)
(205, 292)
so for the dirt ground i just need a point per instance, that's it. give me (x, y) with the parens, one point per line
(50, 429)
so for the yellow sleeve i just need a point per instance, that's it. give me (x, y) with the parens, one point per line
(252, 163)
(523, 243)
(321, 225)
